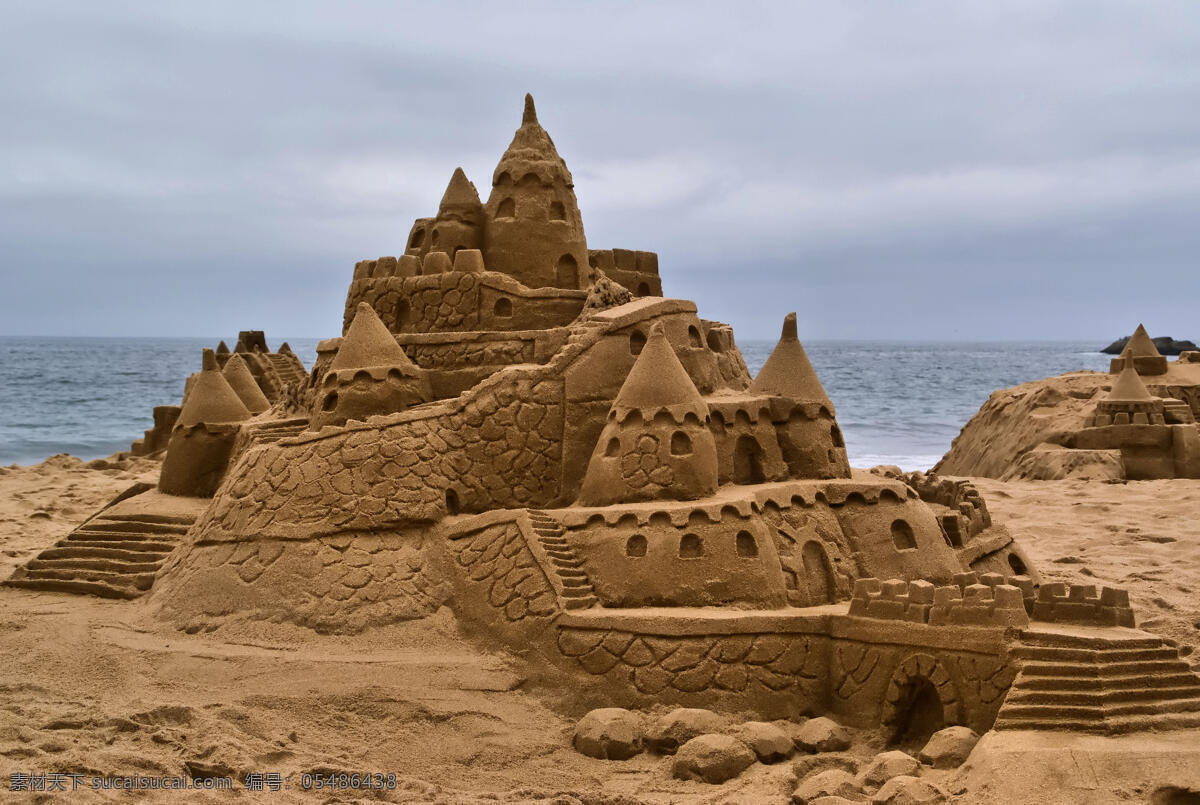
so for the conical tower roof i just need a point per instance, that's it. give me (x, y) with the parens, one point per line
(459, 193)
(532, 149)
(210, 398)
(1129, 387)
(658, 381)
(1140, 345)
(222, 348)
(237, 373)
(368, 344)
(788, 372)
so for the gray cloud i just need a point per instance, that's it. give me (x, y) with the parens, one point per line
(928, 170)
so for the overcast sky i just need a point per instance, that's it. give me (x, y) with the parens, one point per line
(964, 170)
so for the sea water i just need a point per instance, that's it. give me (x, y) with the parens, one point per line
(897, 402)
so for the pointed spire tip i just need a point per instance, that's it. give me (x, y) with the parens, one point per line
(209, 360)
(530, 113)
(789, 328)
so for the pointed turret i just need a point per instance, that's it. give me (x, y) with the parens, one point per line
(459, 221)
(658, 382)
(1129, 387)
(368, 344)
(1141, 354)
(369, 375)
(210, 398)
(222, 348)
(285, 349)
(656, 444)
(533, 229)
(460, 192)
(788, 372)
(240, 379)
(1140, 345)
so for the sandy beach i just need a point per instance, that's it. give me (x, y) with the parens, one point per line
(99, 687)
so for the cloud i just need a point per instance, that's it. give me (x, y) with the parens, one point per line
(972, 164)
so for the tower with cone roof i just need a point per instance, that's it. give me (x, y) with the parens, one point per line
(1141, 354)
(809, 436)
(203, 437)
(656, 444)
(369, 376)
(534, 231)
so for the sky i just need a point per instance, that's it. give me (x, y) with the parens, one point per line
(954, 170)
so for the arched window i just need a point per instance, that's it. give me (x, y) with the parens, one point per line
(451, 501)
(681, 444)
(436, 237)
(694, 336)
(330, 402)
(503, 308)
(507, 209)
(835, 433)
(635, 546)
(418, 237)
(504, 179)
(747, 461)
(690, 547)
(747, 548)
(566, 273)
(557, 211)
(637, 340)
(714, 341)
(902, 535)
(643, 289)
(613, 447)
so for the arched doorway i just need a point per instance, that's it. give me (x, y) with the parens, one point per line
(920, 700)
(566, 272)
(747, 461)
(819, 586)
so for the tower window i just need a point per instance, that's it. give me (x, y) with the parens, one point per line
(418, 237)
(694, 336)
(902, 535)
(681, 444)
(637, 340)
(507, 209)
(635, 546)
(566, 272)
(690, 547)
(557, 211)
(613, 447)
(747, 548)
(503, 308)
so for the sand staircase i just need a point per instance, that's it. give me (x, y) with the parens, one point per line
(289, 371)
(274, 431)
(111, 556)
(1109, 682)
(577, 591)
(1177, 412)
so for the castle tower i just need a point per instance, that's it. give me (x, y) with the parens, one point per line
(1141, 354)
(534, 232)
(242, 381)
(656, 443)
(203, 436)
(1128, 403)
(810, 439)
(370, 375)
(459, 217)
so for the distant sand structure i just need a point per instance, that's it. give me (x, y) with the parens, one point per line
(523, 429)
(1136, 423)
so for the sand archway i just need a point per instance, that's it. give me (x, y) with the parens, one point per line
(920, 700)
(747, 461)
(819, 586)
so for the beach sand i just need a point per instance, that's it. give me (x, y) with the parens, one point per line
(98, 687)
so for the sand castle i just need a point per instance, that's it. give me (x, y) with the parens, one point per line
(523, 429)
(1136, 423)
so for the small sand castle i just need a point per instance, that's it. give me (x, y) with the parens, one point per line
(1136, 423)
(523, 429)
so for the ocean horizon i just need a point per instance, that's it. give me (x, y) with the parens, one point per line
(898, 401)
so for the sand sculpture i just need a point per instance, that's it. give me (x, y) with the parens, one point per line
(1136, 423)
(524, 429)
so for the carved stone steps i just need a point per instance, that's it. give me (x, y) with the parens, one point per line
(106, 564)
(78, 586)
(1162, 680)
(124, 526)
(1112, 669)
(1104, 655)
(74, 550)
(1092, 698)
(142, 546)
(138, 581)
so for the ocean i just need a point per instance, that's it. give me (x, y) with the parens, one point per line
(897, 402)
